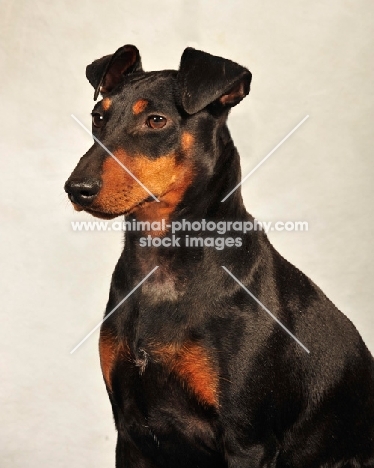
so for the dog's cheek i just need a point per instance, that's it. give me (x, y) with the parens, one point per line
(174, 180)
(187, 142)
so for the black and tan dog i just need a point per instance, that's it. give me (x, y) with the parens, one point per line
(197, 373)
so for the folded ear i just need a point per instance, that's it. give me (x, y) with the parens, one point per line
(205, 78)
(107, 72)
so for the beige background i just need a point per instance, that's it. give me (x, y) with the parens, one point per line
(306, 58)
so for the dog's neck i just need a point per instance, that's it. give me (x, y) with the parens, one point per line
(205, 203)
(203, 200)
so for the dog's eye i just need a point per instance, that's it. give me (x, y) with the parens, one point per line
(156, 121)
(97, 120)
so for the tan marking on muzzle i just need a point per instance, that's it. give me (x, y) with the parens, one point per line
(167, 179)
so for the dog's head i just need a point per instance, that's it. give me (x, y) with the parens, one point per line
(155, 132)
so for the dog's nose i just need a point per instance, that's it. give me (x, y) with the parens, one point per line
(82, 192)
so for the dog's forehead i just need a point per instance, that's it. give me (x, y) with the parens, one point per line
(158, 87)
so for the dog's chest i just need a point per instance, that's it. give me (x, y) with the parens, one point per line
(189, 366)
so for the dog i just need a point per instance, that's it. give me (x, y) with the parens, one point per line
(198, 374)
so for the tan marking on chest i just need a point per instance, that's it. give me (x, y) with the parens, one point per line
(139, 106)
(110, 351)
(193, 366)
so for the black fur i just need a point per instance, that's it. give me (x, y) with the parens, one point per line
(278, 406)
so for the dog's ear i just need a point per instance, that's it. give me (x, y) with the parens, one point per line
(107, 72)
(204, 79)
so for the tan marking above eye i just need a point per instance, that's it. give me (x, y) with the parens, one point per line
(106, 103)
(139, 106)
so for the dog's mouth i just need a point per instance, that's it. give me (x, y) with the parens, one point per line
(107, 215)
